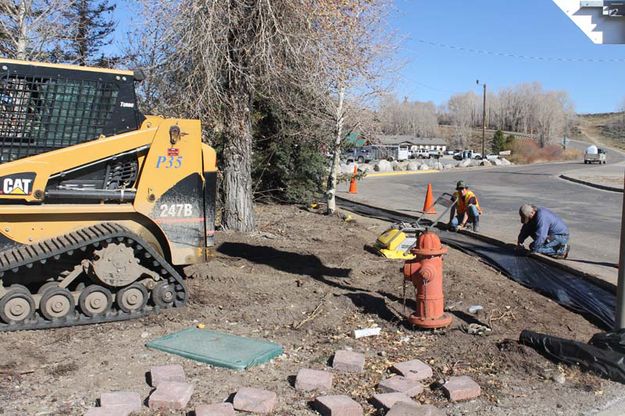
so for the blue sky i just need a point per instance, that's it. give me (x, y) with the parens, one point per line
(435, 32)
(513, 27)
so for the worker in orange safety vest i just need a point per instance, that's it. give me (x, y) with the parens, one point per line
(466, 209)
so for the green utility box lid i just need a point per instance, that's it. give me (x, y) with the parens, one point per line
(217, 348)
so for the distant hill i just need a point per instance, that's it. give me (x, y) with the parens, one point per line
(602, 128)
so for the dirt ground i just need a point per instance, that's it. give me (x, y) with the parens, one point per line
(266, 284)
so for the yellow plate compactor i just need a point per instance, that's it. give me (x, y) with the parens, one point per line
(397, 241)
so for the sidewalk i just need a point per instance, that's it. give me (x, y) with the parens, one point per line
(607, 177)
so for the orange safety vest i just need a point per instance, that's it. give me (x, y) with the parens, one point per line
(461, 206)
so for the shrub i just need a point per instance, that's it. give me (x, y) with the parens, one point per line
(528, 151)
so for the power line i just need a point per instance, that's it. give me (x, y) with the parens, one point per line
(518, 56)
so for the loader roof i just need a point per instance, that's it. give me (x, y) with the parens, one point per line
(69, 67)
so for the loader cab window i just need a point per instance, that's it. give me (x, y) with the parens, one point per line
(61, 108)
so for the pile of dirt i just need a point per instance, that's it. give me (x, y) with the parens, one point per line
(306, 281)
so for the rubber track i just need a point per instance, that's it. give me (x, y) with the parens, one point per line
(46, 251)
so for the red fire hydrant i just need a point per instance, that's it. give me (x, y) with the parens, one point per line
(426, 274)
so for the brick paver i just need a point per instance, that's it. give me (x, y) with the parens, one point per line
(461, 388)
(414, 369)
(171, 396)
(217, 409)
(401, 384)
(167, 373)
(338, 406)
(348, 361)
(308, 380)
(253, 400)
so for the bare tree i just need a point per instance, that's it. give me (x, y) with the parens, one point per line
(408, 117)
(524, 108)
(29, 29)
(224, 55)
(150, 44)
(352, 52)
(462, 110)
(88, 28)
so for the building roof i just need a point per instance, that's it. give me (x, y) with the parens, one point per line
(409, 139)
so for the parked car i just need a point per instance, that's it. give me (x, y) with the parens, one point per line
(403, 153)
(420, 154)
(492, 156)
(436, 154)
(467, 154)
(450, 152)
(359, 154)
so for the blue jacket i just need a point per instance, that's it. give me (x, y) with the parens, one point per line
(543, 224)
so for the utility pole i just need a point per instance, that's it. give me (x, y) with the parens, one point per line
(483, 119)
(620, 288)
(484, 125)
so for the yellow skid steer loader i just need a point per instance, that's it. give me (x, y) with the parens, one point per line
(98, 202)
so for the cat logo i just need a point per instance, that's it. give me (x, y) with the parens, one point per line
(18, 184)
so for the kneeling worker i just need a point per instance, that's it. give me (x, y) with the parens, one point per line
(550, 233)
(466, 209)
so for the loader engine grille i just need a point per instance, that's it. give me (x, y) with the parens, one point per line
(43, 108)
(121, 175)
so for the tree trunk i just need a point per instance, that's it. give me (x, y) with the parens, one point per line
(22, 40)
(336, 153)
(237, 181)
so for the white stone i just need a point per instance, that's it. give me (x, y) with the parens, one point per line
(383, 166)
(367, 332)
(412, 166)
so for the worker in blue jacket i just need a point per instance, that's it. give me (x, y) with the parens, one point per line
(550, 233)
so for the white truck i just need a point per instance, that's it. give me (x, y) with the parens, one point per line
(593, 154)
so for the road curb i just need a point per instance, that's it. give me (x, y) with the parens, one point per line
(401, 172)
(591, 184)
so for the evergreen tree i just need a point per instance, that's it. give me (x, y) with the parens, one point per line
(499, 141)
(285, 167)
(90, 27)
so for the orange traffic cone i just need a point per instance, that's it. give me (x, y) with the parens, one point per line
(353, 187)
(428, 206)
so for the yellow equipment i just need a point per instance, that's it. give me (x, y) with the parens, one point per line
(397, 241)
(98, 203)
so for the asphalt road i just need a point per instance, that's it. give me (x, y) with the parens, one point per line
(593, 215)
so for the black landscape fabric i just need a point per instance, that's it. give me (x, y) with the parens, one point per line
(606, 363)
(613, 341)
(566, 288)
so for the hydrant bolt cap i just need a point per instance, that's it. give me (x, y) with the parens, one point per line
(429, 245)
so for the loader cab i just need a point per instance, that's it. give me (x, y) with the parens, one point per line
(45, 107)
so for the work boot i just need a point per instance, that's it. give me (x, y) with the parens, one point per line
(476, 225)
(565, 252)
